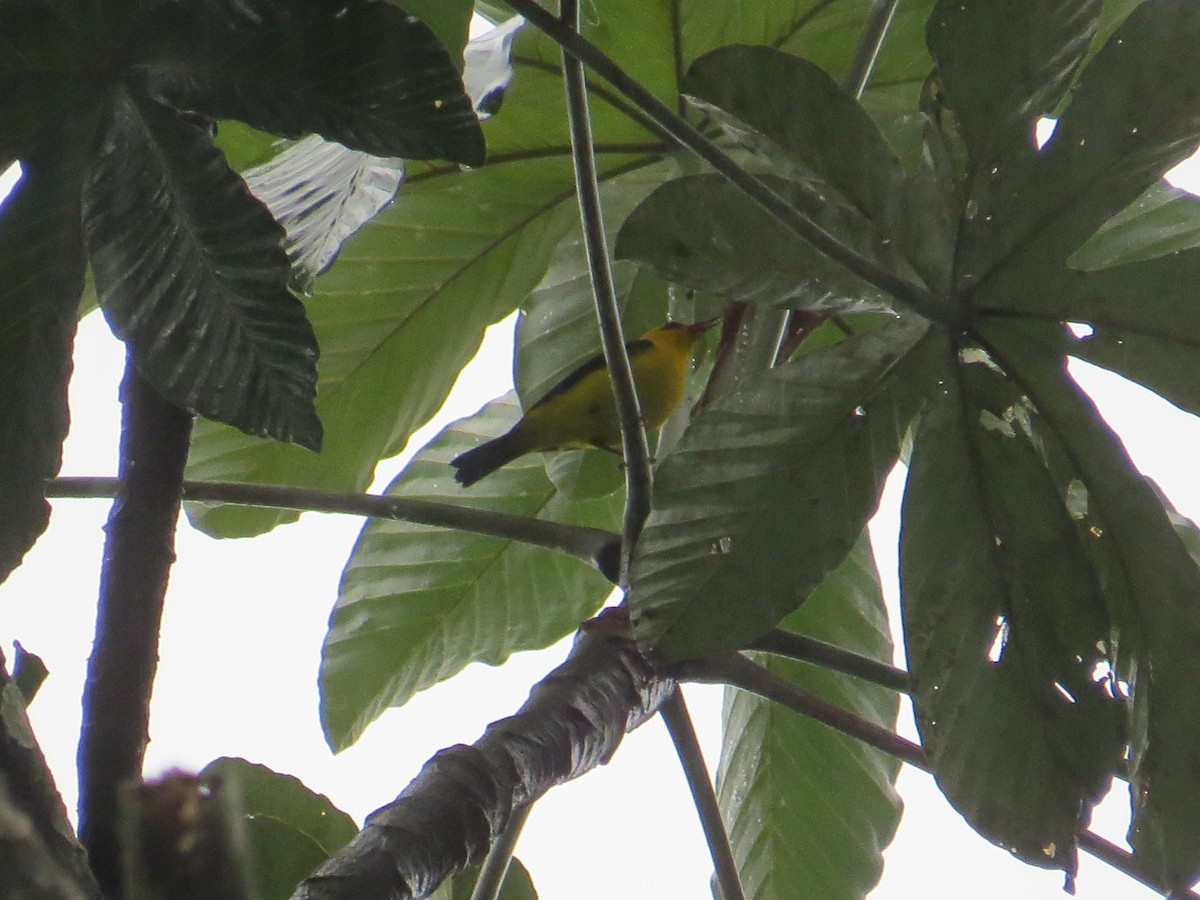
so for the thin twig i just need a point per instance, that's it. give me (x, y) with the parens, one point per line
(687, 747)
(693, 139)
(810, 650)
(608, 314)
(869, 46)
(496, 863)
(592, 545)
(740, 672)
(1108, 852)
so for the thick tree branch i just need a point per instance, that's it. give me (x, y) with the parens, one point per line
(138, 554)
(34, 829)
(465, 796)
(592, 545)
(634, 446)
(683, 736)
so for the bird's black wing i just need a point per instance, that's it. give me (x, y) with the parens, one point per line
(633, 348)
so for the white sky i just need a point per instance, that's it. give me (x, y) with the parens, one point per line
(240, 648)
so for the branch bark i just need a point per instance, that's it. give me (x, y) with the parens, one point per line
(138, 552)
(464, 797)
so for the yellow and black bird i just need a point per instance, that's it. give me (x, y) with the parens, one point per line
(579, 411)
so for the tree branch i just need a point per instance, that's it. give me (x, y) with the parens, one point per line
(810, 650)
(34, 828)
(693, 139)
(634, 446)
(592, 545)
(683, 736)
(465, 797)
(138, 553)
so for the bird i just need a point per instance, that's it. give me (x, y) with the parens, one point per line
(580, 412)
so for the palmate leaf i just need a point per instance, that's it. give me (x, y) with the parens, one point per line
(1154, 588)
(41, 278)
(1134, 113)
(364, 74)
(702, 232)
(1004, 621)
(191, 272)
(806, 805)
(1004, 65)
(474, 244)
(290, 830)
(768, 490)
(1165, 219)
(417, 604)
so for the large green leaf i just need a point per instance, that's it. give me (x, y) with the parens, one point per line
(290, 830)
(364, 74)
(1157, 618)
(1165, 219)
(768, 490)
(806, 805)
(1002, 65)
(417, 604)
(1004, 624)
(400, 313)
(191, 272)
(794, 110)
(702, 232)
(41, 278)
(406, 303)
(1134, 113)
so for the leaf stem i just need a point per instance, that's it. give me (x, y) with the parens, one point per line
(693, 139)
(741, 672)
(810, 650)
(687, 747)
(592, 545)
(635, 447)
(496, 863)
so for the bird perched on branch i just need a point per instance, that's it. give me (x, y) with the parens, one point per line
(580, 412)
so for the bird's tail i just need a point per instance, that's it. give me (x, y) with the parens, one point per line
(485, 459)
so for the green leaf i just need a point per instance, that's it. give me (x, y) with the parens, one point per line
(1134, 113)
(702, 232)
(449, 20)
(1002, 624)
(1164, 220)
(804, 804)
(407, 301)
(400, 313)
(191, 273)
(768, 490)
(785, 106)
(1166, 366)
(1001, 66)
(417, 604)
(365, 74)
(1157, 611)
(518, 885)
(290, 829)
(41, 278)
